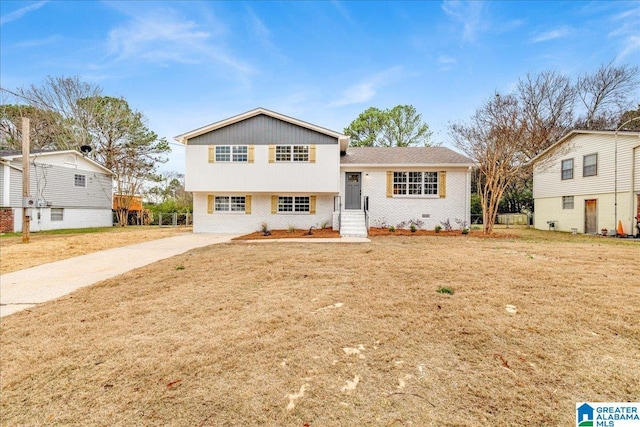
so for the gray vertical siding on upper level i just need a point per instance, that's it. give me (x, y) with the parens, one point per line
(262, 130)
(56, 185)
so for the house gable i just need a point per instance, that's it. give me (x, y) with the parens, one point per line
(262, 130)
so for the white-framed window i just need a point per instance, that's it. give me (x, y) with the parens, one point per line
(415, 183)
(292, 153)
(590, 165)
(80, 180)
(57, 214)
(229, 203)
(567, 202)
(232, 153)
(294, 204)
(567, 169)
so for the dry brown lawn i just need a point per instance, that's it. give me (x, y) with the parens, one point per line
(45, 247)
(334, 334)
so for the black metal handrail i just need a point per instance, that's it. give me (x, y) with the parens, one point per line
(365, 206)
(338, 199)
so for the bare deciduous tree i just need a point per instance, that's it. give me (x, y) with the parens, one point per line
(604, 95)
(60, 95)
(493, 140)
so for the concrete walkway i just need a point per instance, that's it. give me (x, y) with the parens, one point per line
(25, 288)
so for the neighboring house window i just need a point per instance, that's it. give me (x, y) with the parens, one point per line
(415, 183)
(292, 153)
(229, 204)
(57, 214)
(567, 169)
(231, 153)
(80, 180)
(590, 165)
(293, 204)
(567, 202)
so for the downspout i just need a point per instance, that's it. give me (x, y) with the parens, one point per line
(6, 186)
(632, 193)
(467, 200)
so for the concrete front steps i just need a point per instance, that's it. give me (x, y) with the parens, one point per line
(353, 224)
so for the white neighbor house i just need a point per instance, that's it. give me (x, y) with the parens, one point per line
(580, 184)
(264, 167)
(68, 190)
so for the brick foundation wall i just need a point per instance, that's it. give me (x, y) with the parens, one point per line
(6, 220)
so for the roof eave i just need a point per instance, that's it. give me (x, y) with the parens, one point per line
(183, 138)
(409, 165)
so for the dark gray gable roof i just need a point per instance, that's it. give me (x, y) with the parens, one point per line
(262, 129)
(190, 136)
(404, 156)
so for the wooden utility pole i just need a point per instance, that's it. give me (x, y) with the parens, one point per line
(26, 220)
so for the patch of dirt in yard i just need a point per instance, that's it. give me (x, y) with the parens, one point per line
(295, 234)
(44, 248)
(336, 334)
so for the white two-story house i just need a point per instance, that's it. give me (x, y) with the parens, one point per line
(264, 167)
(588, 181)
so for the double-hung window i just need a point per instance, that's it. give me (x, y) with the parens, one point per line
(229, 203)
(80, 180)
(567, 169)
(590, 165)
(292, 153)
(57, 214)
(231, 153)
(294, 204)
(567, 202)
(415, 183)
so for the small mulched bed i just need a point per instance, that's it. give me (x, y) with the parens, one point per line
(373, 232)
(295, 234)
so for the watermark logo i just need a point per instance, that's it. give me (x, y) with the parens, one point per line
(608, 414)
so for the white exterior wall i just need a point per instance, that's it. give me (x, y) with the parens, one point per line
(548, 187)
(240, 222)
(72, 218)
(390, 211)
(550, 209)
(70, 160)
(262, 176)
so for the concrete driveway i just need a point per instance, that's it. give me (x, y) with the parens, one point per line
(25, 288)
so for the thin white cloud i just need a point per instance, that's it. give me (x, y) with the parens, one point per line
(365, 91)
(162, 37)
(556, 33)
(469, 14)
(17, 14)
(626, 32)
(39, 42)
(631, 45)
(446, 62)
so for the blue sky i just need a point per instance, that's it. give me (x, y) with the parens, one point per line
(187, 64)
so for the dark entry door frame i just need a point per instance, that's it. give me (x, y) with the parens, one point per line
(353, 190)
(591, 216)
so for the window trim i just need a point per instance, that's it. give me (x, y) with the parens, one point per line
(297, 202)
(291, 154)
(233, 154)
(565, 202)
(229, 204)
(563, 170)
(406, 187)
(56, 211)
(84, 180)
(585, 166)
